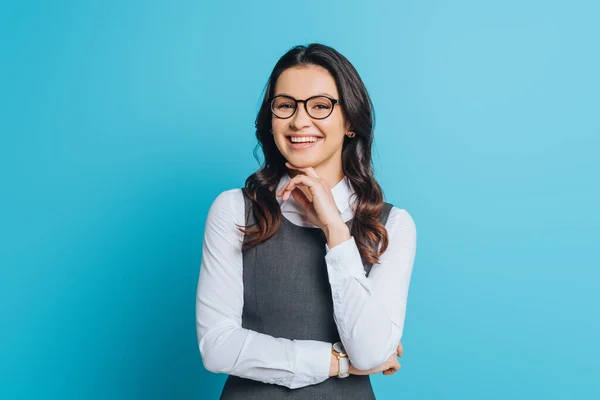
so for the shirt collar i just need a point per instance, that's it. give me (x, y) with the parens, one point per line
(341, 192)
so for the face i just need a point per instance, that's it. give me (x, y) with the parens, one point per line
(302, 83)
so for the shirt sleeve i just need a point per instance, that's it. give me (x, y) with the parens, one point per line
(370, 312)
(225, 346)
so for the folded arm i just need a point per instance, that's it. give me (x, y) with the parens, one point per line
(370, 312)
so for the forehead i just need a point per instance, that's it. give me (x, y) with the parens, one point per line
(305, 81)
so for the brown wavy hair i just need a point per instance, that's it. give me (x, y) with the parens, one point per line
(357, 107)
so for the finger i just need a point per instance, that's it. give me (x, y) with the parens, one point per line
(310, 171)
(282, 190)
(392, 370)
(400, 350)
(288, 192)
(291, 187)
(305, 180)
(301, 197)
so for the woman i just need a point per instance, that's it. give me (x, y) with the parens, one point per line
(305, 271)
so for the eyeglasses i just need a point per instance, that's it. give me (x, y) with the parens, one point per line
(317, 107)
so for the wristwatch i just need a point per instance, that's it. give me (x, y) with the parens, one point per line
(344, 364)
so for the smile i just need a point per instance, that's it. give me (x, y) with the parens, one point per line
(302, 142)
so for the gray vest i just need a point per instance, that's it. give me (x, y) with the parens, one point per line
(287, 294)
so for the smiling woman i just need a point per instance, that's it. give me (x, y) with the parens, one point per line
(305, 270)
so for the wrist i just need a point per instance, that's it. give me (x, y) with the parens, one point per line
(336, 234)
(351, 369)
(334, 366)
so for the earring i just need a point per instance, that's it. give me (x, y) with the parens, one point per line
(271, 130)
(351, 134)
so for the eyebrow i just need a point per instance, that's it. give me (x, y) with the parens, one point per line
(318, 94)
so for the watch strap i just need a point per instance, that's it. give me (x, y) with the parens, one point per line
(344, 366)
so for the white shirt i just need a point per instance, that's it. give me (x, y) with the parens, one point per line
(369, 312)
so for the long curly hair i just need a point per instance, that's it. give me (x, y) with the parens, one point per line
(369, 233)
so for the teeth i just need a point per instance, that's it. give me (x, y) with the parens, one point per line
(303, 139)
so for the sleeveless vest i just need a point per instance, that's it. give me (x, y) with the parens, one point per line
(287, 294)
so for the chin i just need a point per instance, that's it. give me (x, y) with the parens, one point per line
(303, 162)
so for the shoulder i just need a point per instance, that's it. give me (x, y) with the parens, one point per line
(228, 198)
(400, 220)
(228, 206)
(400, 215)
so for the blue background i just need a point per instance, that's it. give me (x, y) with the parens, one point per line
(122, 121)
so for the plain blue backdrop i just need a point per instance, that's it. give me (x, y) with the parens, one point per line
(121, 121)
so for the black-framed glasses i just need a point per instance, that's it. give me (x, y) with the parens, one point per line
(317, 107)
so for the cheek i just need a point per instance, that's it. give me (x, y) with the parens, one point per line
(333, 131)
(278, 125)
(279, 138)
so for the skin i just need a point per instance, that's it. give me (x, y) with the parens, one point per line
(316, 170)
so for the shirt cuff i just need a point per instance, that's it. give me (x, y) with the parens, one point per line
(313, 361)
(344, 261)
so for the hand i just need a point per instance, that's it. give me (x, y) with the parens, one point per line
(389, 367)
(321, 210)
(399, 351)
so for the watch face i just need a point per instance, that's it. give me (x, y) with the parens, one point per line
(339, 348)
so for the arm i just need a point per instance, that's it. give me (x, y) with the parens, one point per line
(225, 346)
(369, 312)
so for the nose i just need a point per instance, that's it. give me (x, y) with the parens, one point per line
(300, 119)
